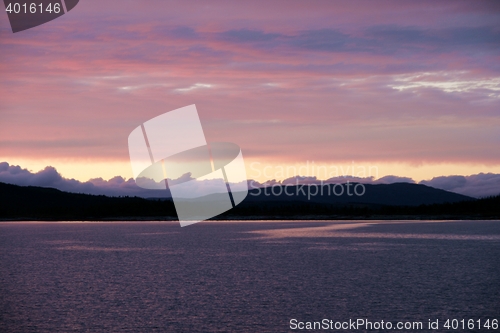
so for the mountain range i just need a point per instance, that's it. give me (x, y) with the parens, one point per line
(396, 200)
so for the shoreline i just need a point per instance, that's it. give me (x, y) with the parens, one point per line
(262, 219)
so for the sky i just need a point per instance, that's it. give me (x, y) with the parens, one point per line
(370, 89)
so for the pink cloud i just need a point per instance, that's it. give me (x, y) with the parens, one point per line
(340, 82)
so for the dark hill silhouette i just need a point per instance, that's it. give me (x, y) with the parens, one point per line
(31, 202)
(380, 201)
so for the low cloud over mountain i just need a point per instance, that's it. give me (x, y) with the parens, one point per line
(49, 177)
(479, 185)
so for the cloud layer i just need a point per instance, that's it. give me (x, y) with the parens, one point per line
(49, 177)
(480, 185)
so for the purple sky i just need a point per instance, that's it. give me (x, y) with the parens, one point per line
(410, 87)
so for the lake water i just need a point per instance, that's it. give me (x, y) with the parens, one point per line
(244, 276)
